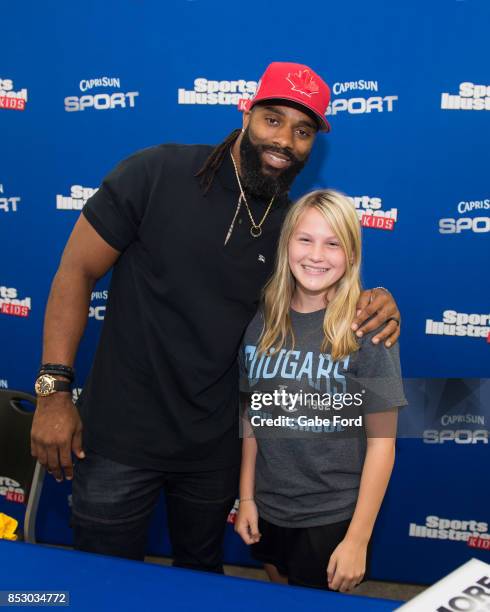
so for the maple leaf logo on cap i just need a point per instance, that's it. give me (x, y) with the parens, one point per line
(303, 82)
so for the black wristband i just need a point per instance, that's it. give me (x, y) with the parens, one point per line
(58, 366)
(55, 373)
(57, 369)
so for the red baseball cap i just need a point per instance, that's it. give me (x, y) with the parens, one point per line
(296, 83)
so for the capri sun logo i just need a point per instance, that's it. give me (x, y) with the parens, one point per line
(101, 101)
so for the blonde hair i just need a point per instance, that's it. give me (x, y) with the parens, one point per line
(340, 213)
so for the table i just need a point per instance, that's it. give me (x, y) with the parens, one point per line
(97, 582)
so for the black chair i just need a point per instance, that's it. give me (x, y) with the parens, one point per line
(16, 460)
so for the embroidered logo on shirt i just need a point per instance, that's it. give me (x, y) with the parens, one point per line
(261, 258)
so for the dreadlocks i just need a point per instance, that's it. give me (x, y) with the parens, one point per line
(214, 161)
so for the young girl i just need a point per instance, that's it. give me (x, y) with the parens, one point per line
(311, 483)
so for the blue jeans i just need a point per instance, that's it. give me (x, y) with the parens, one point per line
(113, 503)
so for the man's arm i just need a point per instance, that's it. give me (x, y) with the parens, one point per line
(380, 303)
(56, 428)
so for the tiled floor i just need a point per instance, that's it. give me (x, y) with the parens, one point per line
(371, 588)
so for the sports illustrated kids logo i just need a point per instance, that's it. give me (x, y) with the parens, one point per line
(471, 325)
(360, 97)
(98, 305)
(473, 532)
(94, 99)
(8, 204)
(469, 216)
(11, 490)
(371, 214)
(77, 198)
(11, 99)
(11, 304)
(469, 97)
(211, 92)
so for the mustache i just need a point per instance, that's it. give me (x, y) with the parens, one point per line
(286, 152)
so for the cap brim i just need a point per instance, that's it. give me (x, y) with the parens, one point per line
(324, 124)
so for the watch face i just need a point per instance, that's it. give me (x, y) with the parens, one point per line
(45, 385)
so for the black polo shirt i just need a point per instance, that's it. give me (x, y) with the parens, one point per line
(163, 389)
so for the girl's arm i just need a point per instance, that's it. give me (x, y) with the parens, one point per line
(347, 564)
(247, 470)
(246, 523)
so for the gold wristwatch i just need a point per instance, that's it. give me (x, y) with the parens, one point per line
(47, 385)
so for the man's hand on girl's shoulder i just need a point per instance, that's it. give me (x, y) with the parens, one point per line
(376, 308)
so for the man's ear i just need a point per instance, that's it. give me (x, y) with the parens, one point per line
(246, 119)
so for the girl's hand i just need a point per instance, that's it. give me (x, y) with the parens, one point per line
(347, 565)
(247, 521)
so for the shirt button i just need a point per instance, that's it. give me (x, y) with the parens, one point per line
(240, 221)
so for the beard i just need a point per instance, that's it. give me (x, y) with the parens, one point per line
(256, 182)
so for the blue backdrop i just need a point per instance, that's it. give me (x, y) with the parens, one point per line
(83, 85)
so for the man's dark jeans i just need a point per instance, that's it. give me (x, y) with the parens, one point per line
(113, 503)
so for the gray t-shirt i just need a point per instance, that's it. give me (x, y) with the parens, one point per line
(309, 461)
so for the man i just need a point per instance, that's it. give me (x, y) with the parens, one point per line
(190, 233)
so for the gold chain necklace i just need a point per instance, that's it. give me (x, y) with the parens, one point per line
(256, 228)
